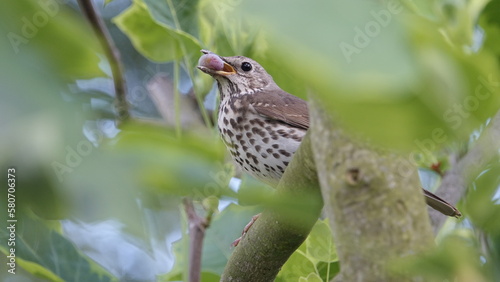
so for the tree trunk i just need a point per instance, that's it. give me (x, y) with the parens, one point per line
(377, 214)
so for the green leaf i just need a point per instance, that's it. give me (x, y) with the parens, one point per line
(191, 164)
(455, 258)
(320, 246)
(481, 203)
(492, 12)
(33, 27)
(490, 22)
(37, 270)
(328, 270)
(253, 192)
(298, 265)
(176, 14)
(46, 254)
(156, 41)
(317, 255)
(40, 124)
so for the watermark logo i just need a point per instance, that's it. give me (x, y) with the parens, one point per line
(31, 25)
(363, 36)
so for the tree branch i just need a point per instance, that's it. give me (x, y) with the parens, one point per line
(377, 214)
(456, 180)
(280, 229)
(197, 227)
(112, 54)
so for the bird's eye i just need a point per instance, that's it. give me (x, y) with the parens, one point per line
(246, 66)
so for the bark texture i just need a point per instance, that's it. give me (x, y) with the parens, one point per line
(377, 214)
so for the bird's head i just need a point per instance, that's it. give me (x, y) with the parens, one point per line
(236, 75)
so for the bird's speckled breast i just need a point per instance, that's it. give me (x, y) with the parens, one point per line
(260, 146)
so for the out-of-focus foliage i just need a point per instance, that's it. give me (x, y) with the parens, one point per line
(67, 169)
(456, 257)
(390, 75)
(44, 252)
(482, 203)
(412, 76)
(48, 24)
(37, 125)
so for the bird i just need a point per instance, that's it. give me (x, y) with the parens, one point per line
(261, 124)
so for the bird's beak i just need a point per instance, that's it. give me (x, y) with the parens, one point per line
(212, 63)
(227, 70)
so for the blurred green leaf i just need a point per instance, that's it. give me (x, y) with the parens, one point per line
(481, 203)
(492, 12)
(205, 276)
(38, 25)
(490, 23)
(37, 270)
(253, 192)
(42, 126)
(224, 32)
(46, 254)
(187, 165)
(455, 258)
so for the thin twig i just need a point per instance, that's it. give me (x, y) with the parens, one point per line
(112, 54)
(197, 227)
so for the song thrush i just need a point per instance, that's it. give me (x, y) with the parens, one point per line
(262, 125)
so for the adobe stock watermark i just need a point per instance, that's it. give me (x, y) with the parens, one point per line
(75, 155)
(363, 35)
(222, 7)
(454, 116)
(219, 184)
(32, 24)
(222, 11)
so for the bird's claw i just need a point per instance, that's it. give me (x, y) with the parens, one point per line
(245, 230)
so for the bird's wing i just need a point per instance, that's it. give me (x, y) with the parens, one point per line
(281, 106)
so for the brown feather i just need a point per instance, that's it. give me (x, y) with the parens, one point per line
(441, 205)
(281, 106)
